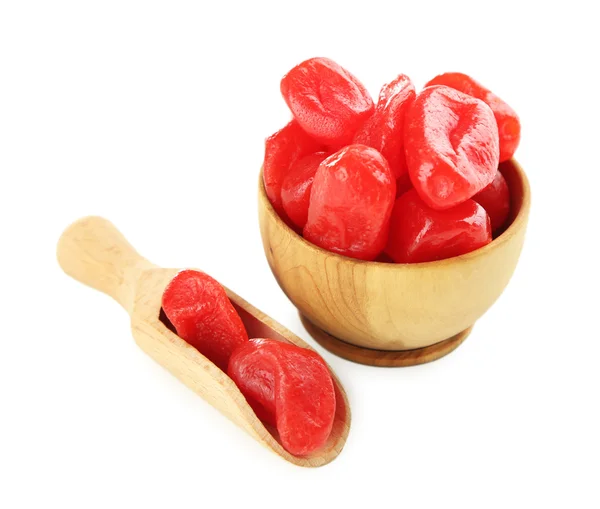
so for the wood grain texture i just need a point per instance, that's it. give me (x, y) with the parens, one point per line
(94, 252)
(384, 358)
(387, 306)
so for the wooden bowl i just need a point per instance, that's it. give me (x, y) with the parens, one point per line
(393, 314)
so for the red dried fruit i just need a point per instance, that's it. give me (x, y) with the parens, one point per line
(288, 387)
(509, 126)
(350, 203)
(419, 233)
(384, 130)
(327, 101)
(295, 191)
(202, 315)
(451, 142)
(495, 199)
(282, 149)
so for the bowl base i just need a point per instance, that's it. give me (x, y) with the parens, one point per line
(383, 358)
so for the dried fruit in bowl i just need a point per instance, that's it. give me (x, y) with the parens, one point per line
(509, 126)
(419, 233)
(384, 130)
(283, 149)
(495, 199)
(451, 142)
(326, 100)
(295, 192)
(350, 203)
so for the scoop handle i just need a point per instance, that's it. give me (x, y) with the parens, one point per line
(95, 253)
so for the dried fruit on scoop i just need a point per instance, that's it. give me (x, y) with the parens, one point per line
(288, 387)
(202, 314)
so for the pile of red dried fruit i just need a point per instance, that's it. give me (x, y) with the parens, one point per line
(415, 177)
(288, 387)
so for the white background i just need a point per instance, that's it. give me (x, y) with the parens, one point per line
(153, 114)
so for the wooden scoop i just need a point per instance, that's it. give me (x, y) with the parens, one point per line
(94, 252)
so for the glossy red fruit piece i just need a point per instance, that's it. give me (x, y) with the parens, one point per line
(451, 142)
(327, 101)
(495, 199)
(419, 233)
(384, 130)
(509, 126)
(282, 149)
(295, 191)
(202, 315)
(288, 387)
(351, 201)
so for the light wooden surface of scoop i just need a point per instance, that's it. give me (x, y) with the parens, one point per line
(95, 253)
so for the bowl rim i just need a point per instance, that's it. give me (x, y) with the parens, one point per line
(515, 226)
